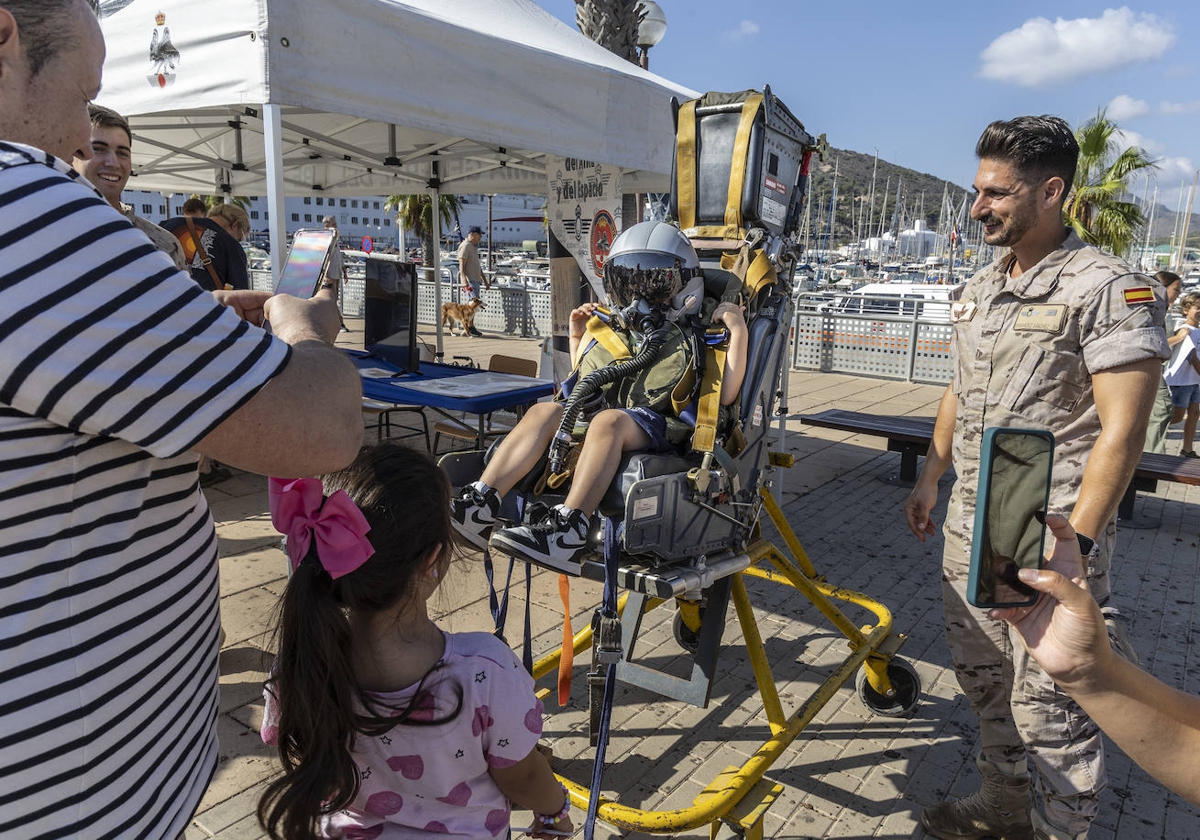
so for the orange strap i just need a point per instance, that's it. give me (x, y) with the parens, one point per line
(567, 660)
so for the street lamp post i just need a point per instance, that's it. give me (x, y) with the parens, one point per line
(651, 29)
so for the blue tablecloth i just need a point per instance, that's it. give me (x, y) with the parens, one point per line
(503, 390)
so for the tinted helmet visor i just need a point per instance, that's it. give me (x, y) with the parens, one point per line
(655, 278)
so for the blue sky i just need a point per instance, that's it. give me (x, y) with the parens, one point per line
(919, 81)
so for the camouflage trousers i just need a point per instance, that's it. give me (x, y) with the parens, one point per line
(1022, 714)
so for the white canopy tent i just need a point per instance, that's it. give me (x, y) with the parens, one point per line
(373, 97)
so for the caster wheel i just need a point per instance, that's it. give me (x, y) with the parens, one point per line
(688, 638)
(905, 681)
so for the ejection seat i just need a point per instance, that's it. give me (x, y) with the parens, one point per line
(687, 528)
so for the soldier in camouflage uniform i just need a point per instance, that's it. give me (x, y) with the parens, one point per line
(1053, 335)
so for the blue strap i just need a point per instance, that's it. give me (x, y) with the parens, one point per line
(608, 609)
(527, 647)
(497, 606)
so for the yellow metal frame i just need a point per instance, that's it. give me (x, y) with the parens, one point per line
(871, 646)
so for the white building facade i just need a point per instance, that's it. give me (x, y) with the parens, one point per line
(515, 218)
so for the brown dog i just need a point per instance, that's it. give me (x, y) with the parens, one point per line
(464, 312)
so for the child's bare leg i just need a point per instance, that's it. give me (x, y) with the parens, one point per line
(1189, 427)
(520, 451)
(610, 434)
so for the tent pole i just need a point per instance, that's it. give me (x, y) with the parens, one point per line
(434, 200)
(273, 139)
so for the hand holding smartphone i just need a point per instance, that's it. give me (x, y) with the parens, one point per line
(1014, 485)
(306, 261)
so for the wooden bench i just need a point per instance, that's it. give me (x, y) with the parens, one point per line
(910, 437)
(1151, 469)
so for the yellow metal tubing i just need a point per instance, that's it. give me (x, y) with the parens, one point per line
(758, 657)
(789, 537)
(864, 644)
(715, 807)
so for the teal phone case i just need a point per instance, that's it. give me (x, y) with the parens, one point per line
(982, 501)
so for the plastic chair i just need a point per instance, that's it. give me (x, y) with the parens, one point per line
(460, 430)
(382, 413)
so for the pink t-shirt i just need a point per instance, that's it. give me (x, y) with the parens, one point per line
(422, 779)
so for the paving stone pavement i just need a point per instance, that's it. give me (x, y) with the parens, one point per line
(850, 773)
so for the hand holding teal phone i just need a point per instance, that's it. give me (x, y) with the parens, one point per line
(1014, 485)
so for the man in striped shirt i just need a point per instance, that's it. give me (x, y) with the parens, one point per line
(116, 372)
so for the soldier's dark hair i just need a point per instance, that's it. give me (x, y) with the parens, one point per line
(1168, 278)
(102, 117)
(40, 23)
(1038, 147)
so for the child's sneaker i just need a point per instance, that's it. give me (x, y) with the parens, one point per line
(473, 514)
(557, 541)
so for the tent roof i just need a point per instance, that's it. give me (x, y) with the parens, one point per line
(374, 91)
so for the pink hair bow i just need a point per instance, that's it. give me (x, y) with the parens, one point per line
(300, 510)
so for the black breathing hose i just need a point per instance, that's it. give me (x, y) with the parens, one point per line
(592, 383)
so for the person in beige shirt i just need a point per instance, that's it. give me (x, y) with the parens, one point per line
(1054, 335)
(470, 270)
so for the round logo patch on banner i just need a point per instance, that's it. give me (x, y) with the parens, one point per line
(604, 231)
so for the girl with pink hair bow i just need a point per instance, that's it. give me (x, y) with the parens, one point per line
(385, 724)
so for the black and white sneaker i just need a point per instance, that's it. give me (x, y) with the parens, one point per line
(473, 514)
(556, 542)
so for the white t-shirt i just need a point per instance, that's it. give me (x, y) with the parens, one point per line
(113, 364)
(1180, 370)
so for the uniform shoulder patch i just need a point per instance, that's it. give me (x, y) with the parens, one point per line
(1139, 294)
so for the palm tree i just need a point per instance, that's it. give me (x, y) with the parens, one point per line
(1095, 209)
(415, 213)
(612, 24)
(211, 201)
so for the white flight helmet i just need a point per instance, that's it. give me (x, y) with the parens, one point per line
(655, 263)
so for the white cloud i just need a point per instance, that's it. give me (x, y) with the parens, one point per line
(745, 29)
(1042, 52)
(1172, 108)
(1173, 169)
(1125, 137)
(1124, 107)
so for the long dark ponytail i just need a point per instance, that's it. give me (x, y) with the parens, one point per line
(405, 498)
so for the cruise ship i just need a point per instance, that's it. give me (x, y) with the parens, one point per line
(515, 219)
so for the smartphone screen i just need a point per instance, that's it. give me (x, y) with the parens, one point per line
(1014, 484)
(306, 260)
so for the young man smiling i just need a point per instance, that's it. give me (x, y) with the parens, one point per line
(108, 170)
(1053, 335)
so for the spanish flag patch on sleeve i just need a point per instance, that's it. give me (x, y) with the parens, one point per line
(1139, 294)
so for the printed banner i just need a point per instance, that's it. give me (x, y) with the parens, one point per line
(584, 209)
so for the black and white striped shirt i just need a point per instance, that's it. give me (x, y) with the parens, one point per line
(112, 365)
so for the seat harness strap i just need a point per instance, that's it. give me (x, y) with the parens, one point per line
(737, 170)
(607, 337)
(685, 165)
(708, 406)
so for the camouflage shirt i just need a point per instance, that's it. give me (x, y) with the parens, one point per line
(1025, 350)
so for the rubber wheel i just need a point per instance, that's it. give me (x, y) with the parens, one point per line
(688, 638)
(906, 682)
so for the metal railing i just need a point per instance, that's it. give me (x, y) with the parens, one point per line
(513, 310)
(886, 346)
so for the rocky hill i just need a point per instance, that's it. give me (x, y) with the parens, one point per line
(921, 197)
